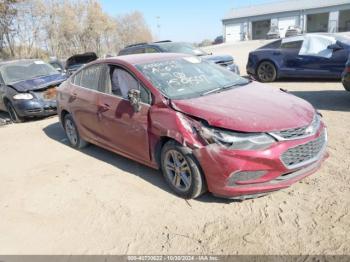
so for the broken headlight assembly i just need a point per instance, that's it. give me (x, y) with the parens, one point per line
(235, 140)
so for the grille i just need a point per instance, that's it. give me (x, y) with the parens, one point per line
(300, 131)
(302, 154)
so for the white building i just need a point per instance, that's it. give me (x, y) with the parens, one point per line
(255, 21)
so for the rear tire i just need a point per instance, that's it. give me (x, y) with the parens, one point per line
(266, 72)
(72, 133)
(15, 118)
(181, 171)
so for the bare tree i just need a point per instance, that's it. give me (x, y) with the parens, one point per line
(8, 13)
(65, 27)
(132, 28)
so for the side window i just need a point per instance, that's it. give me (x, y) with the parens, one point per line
(90, 77)
(292, 45)
(76, 78)
(151, 50)
(140, 50)
(122, 81)
(273, 45)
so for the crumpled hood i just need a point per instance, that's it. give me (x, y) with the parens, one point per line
(251, 108)
(218, 58)
(38, 83)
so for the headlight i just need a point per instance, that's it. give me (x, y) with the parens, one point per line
(24, 96)
(237, 141)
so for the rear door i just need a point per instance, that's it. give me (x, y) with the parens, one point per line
(336, 63)
(83, 101)
(124, 130)
(289, 52)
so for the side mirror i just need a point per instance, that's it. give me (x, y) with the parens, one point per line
(134, 97)
(334, 47)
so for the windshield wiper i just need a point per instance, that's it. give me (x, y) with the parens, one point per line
(226, 87)
(218, 89)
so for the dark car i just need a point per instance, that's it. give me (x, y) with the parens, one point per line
(57, 64)
(307, 56)
(273, 33)
(196, 122)
(74, 62)
(168, 46)
(28, 88)
(293, 31)
(346, 76)
(218, 40)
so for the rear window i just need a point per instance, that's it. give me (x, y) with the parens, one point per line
(273, 45)
(292, 45)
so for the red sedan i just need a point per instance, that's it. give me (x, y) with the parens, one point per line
(204, 127)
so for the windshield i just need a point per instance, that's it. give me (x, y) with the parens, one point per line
(184, 48)
(189, 77)
(25, 70)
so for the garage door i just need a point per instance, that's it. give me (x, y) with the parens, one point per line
(284, 23)
(233, 33)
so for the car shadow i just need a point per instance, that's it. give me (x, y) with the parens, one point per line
(306, 80)
(55, 132)
(333, 100)
(4, 118)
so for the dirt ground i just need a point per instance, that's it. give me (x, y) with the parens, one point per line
(57, 200)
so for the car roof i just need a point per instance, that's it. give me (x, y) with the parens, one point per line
(144, 58)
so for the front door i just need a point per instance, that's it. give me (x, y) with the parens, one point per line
(124, 130)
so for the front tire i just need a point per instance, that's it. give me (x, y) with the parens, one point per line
(15, 118)
(346, 86)
(266, 72)
(182, 171)
(72, 133)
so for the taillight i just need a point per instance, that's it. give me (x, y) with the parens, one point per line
(347, 69)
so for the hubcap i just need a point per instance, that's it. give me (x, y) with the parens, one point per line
(71, 132)
(266, 72)
(178, 170)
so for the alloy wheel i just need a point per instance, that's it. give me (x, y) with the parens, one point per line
(71, 131)
(178, 170)
(266, 72)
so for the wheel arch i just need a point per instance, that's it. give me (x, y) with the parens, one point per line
(158, 148)
(63, 115)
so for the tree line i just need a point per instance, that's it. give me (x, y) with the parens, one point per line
(61, 28)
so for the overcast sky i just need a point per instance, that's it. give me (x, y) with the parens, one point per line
(180, 20)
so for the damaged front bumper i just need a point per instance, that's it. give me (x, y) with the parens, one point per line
(35, 108)
(249, 174)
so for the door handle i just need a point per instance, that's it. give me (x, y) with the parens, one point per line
(276, 53)
(73, 96)
(103, 108)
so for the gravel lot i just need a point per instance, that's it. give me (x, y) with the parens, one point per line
(57, 200)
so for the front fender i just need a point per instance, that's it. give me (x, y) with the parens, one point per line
(166, 122)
